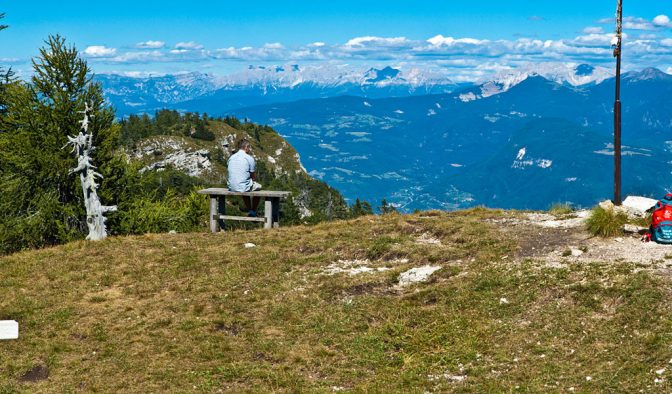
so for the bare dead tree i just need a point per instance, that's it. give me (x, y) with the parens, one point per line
(82, 146)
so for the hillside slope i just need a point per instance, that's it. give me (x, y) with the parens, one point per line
(519, 302)
(199, 147)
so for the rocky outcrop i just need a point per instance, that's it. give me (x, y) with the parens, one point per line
(175, 153)
(191, 163)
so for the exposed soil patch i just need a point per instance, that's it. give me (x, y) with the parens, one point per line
(232, 329)
(369, 288)
(360, 289)
(536, 238)
(37, 373)
(536, 242)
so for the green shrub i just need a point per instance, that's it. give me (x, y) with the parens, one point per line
(203, 134)
(381, 246)
(172, 212)
(606, 222)
(560, 209)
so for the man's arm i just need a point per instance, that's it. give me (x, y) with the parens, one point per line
(253, 168)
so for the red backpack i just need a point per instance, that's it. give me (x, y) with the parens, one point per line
(661, 221)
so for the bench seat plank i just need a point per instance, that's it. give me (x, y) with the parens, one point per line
(240, 218)
(261, 193)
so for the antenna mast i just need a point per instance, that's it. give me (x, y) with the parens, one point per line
(617, 43)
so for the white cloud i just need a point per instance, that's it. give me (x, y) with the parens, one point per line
(376, 41)
(99, 51)
(467, 58)
(662, 20)
(593, 30)
(647, 36)
(191, 45)
(136, 57)
(135, 74)
(633, 23)
(440, 40)
(596, 39)
(150, 44)
(12, 60)
(274, 45)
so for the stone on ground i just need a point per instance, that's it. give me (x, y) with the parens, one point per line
(638, 206)
(631, 228)
(607, 205)
(418, 274)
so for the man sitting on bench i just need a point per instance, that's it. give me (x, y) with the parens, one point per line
(242, 176)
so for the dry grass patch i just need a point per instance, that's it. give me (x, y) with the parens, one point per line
(199, 312)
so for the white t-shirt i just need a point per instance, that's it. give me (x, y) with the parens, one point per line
(240, 166)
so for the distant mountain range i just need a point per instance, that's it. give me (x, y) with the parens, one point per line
(528, 146)
(525, 139)
(197, 92)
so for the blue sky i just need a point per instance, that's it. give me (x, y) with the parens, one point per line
(223, 36)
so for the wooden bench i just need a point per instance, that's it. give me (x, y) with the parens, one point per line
(218, 214)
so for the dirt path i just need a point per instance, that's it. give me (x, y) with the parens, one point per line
(562, 240)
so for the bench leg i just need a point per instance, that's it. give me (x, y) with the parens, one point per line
(268, 213)
(276, 212)
(213, 212)
(221, 210)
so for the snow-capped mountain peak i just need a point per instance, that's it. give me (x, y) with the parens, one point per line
(647, 74)
(568, 74)
(561, 73)
(374, 75)
(334, 75)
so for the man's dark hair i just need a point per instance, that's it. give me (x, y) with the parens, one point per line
(243, 144)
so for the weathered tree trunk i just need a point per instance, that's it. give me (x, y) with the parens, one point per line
(82, 145)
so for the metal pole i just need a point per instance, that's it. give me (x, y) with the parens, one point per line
(617, 105)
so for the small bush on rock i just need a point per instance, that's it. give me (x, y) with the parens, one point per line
(606, 222)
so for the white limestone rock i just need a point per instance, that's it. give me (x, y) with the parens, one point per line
(638, 206)
(632, 229)
(416, 275)
(607, 205)
(192, 163)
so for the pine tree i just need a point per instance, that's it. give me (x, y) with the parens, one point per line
(360, 208)
(6, 77)
(40, 201)
(386, 207)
